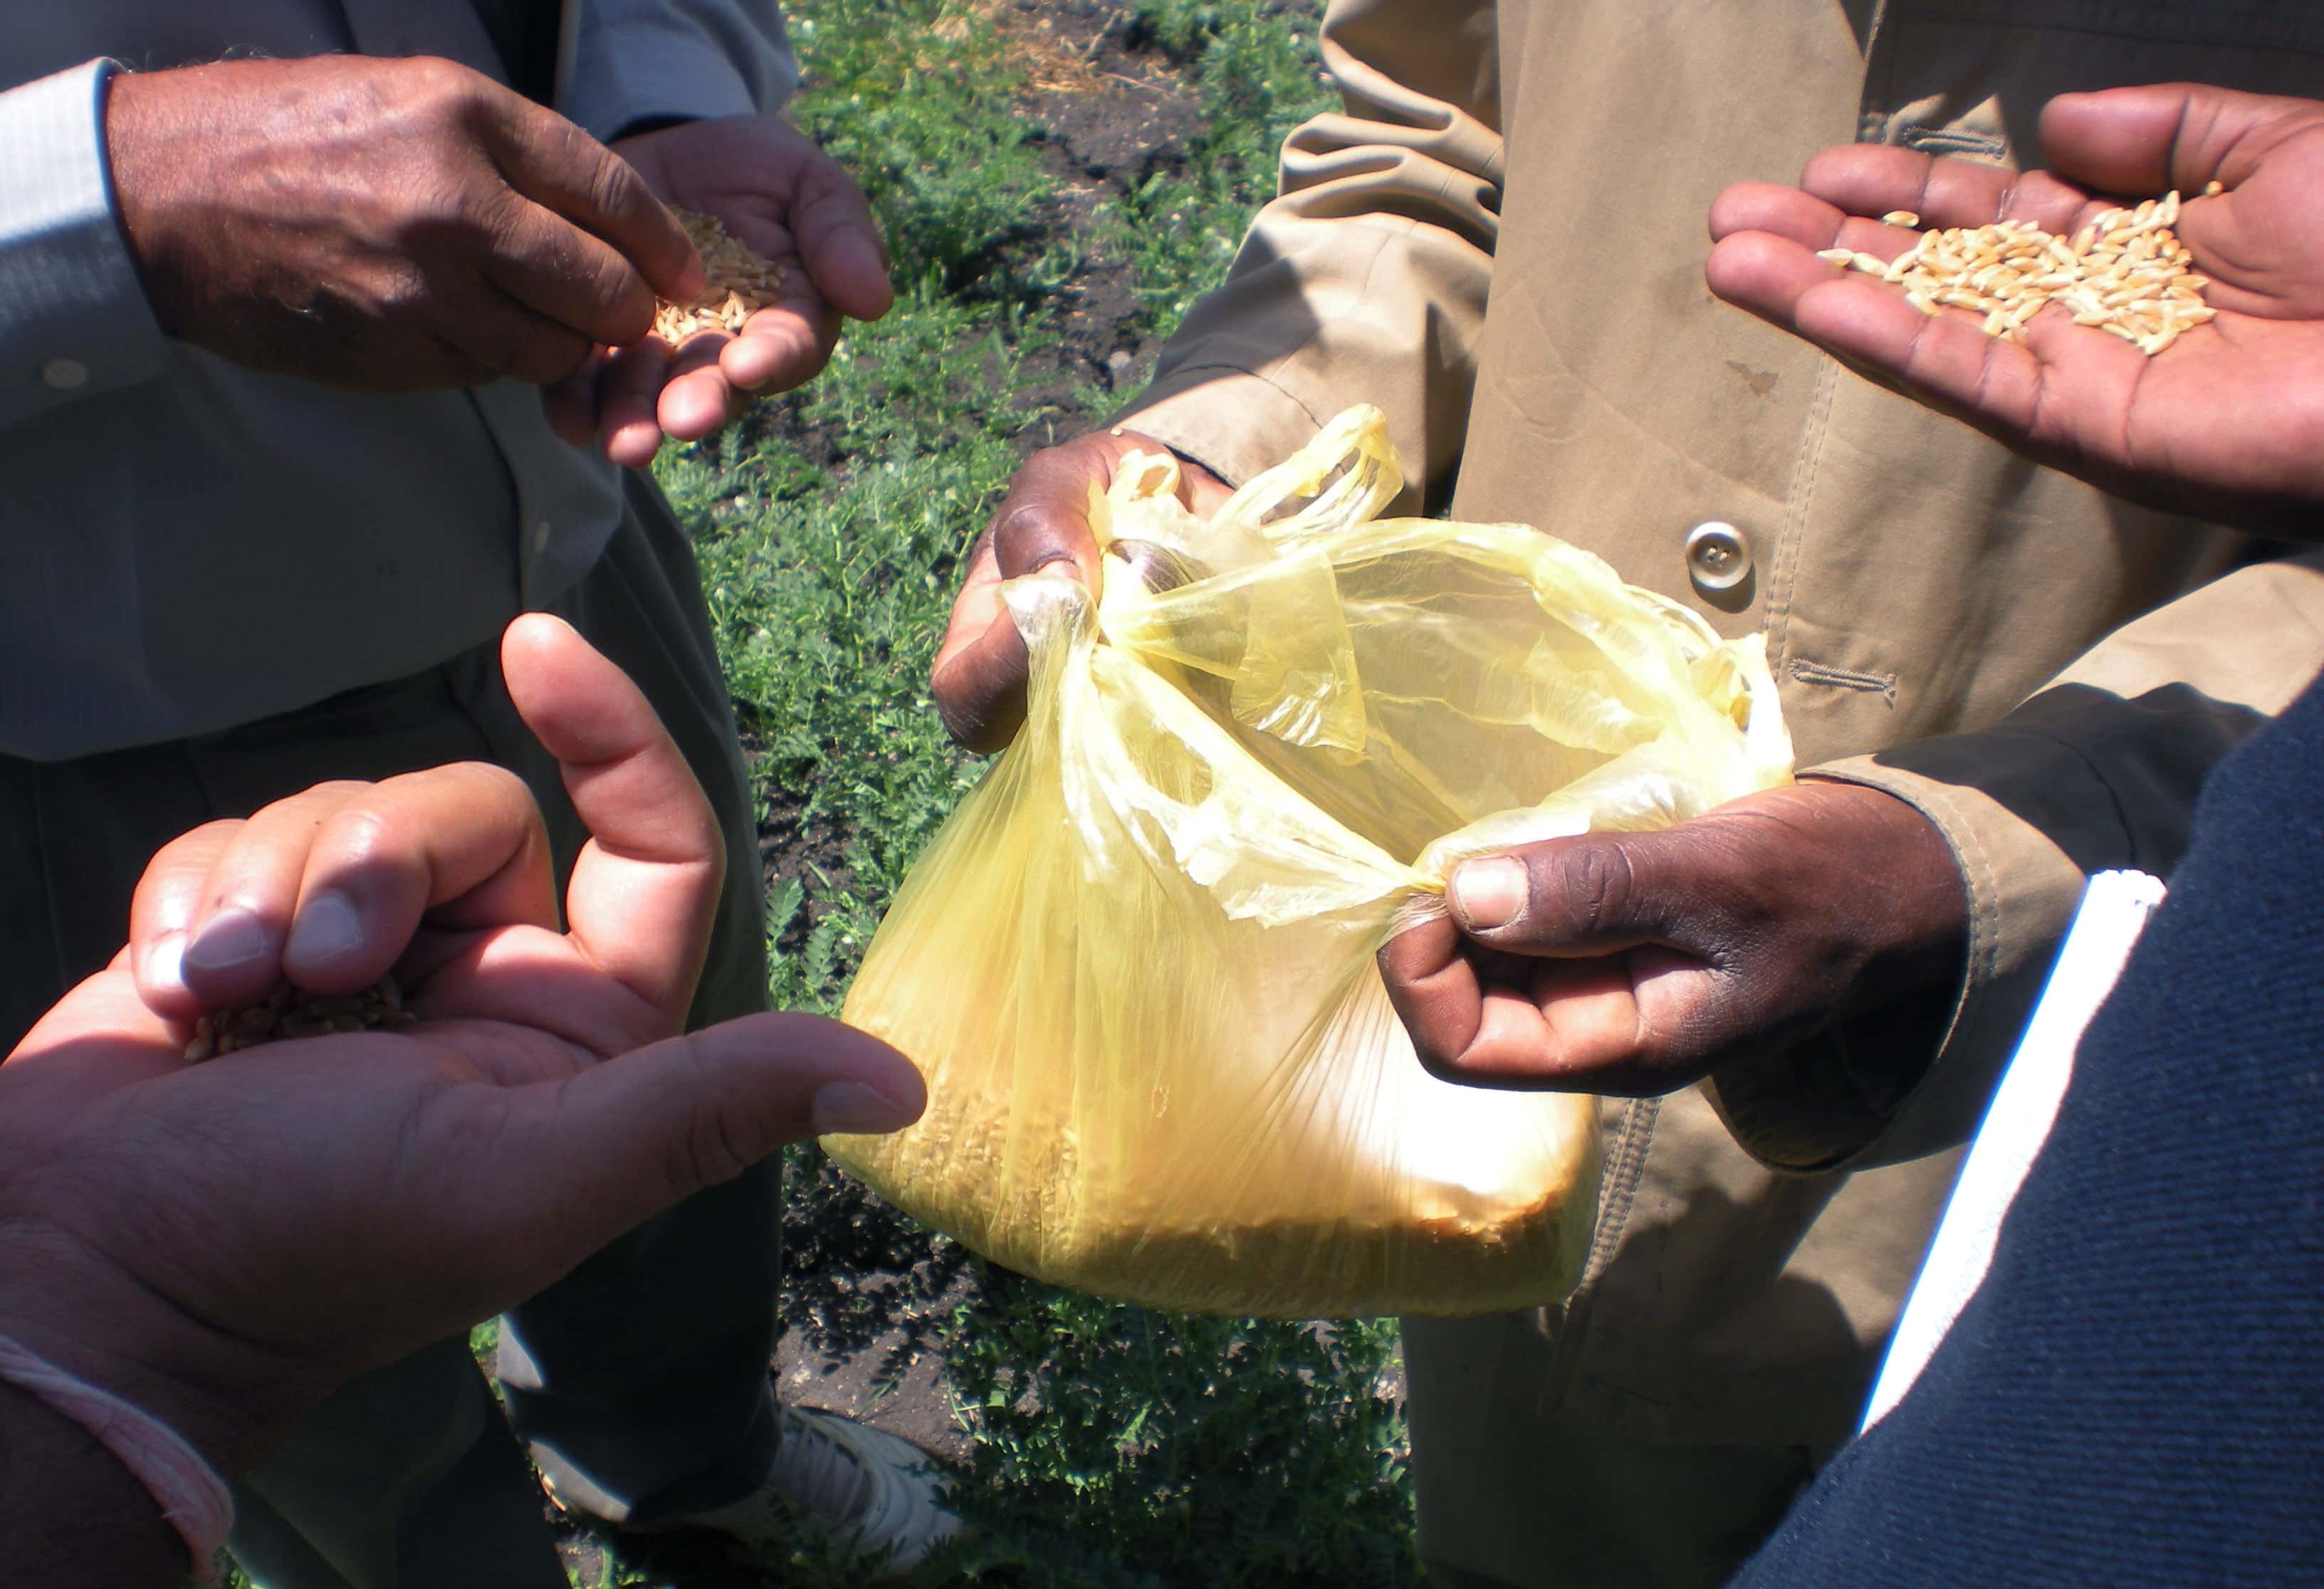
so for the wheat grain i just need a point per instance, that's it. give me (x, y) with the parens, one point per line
(293, 1012)
(2125, 272)
(736, 283)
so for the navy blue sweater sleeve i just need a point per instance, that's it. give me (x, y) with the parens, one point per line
(2136, 1395)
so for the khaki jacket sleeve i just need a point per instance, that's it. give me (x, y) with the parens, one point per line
(1364, 280)
(2098, 769)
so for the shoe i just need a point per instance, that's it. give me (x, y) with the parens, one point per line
(876, 1494)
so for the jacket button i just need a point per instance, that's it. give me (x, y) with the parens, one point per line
(1718, 556)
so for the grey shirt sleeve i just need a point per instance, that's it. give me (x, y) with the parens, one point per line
(633, 59)
(74, 321)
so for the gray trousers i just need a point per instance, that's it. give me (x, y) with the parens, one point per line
(639, 1380)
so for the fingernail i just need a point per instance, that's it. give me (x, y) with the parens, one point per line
(850, 1107)
(231, 938)
(1488, 893)
(165, 961)
(326, 929)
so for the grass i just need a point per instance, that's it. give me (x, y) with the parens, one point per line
(1113, 1446)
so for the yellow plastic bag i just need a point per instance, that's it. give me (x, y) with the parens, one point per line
(1137, 965)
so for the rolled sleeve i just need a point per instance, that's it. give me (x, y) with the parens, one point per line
(74, 320)
(1365, 280)
(637, 61)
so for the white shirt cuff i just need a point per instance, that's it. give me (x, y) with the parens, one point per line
(74, 320)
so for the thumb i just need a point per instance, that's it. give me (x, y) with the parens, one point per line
(645, 887)
(583, 1159)
(1597, 894)
(839, 241)
(2143, 140)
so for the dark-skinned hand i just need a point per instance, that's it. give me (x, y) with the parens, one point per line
(2226, 423)
(223, 1243)
(774, 190)
(1637, 963)
(386, 225)
(1042, 524)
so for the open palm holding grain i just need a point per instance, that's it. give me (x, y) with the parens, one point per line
(252, 1228)
(788, 247)
(2222, 417)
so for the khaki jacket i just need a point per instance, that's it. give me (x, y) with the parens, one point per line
(1500, 241)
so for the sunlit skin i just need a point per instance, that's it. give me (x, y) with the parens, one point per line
(2225, 424)
(223, 1242)
(792, 203)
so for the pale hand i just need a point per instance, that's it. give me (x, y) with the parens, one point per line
(223, 1243)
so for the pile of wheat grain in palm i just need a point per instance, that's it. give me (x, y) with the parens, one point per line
(736, 283)
(293, 1012)
(2126, 273)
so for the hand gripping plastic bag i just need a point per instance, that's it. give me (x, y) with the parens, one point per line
(1137, 964)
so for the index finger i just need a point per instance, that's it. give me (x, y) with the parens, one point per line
(646, 885)
(1483, 1019)
(1878, 179)
(562, 169)
(162, 911)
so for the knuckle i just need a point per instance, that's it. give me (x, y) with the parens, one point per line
(461, 92)
(402, 291)
(447, 209)
(1593, 886)
(1031, 533)
(719, 1139)
(440, 91)
(341, 789)
(361, 838)
(613, 186)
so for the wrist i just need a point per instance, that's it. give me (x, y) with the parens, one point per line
(73, 1514)
(136, 135)
(114, 1333)
(1916, 907)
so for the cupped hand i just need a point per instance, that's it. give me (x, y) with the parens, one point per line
(390, 225)
(775, 191)
(222, 1242)
(2226, 423)
(1043, 523)
(1637, 963)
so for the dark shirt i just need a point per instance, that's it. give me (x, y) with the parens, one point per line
(2137, 1394)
